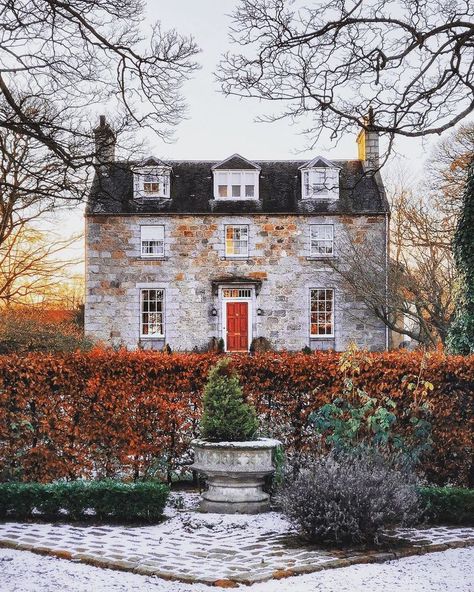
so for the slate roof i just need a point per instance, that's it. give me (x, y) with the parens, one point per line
(192, 191)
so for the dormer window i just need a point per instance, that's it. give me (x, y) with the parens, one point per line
(236, 178)
(236, 184)
(154, 183)
(152, 179)
(320, 180)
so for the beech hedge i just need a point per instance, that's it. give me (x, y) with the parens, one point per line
(106, 414)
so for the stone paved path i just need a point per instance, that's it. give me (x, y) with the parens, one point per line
(207, 548)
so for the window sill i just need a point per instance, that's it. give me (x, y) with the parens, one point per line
(322, 337)
(224, 199)
(320, 198)
(321, 258)
(164, 258)
(236, 258)
(151, 337)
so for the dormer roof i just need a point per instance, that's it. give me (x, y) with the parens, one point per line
(152, 161)
(237, 162)
(319, 162)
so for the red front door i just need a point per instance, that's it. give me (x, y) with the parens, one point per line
(237, 326)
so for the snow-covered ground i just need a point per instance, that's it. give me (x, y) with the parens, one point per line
(450, 571)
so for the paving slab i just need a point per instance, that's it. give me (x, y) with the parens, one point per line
(208, 548)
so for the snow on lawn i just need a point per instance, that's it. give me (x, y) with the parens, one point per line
(450, 571)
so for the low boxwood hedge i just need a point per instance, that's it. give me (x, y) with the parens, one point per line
(448, 505)
(79, 500)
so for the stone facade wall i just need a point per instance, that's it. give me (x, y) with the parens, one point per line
(279, 258)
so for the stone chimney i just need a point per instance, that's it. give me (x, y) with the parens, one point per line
(368, 143)
(104, 142)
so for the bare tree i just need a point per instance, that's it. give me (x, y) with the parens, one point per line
(417, 298)
(33, 181)
(448, 166)
(74, 56)
(31, 270)
(411, 61)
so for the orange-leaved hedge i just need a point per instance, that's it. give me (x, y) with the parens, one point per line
(104, 414)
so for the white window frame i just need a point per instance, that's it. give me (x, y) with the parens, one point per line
(228, 173)
(321, 335)
(162, 312)
(146, 175)
(240, 227)
(320, 183)
(312, 240)
(161, 240)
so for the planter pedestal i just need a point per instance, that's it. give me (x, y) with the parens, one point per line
(235, 474)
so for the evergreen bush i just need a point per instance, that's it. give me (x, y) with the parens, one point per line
(448, 505)
(78, 500)
(226, 416)
(461, 333)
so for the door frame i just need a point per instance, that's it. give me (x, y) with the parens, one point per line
(249, 301)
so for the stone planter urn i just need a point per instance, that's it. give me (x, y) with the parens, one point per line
(235, 473)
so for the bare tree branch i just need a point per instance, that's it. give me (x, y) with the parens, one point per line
(329, 61)
(76, 55)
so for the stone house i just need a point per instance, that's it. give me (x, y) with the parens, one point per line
(187, 253)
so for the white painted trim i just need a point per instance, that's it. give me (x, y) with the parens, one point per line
(249, 301)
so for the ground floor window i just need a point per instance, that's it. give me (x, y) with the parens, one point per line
(322, 312)
(151, 316)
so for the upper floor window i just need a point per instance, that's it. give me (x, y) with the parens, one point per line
(322, 312)
(236, 184)
(236, 241)
(321, 240)
(320, 179)
(152, 241)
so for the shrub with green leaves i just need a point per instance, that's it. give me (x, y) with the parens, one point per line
(226, 416)
(448, 505)
(350, 498)
(78, 500)
(356, 419)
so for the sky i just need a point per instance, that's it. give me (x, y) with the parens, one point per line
(218, 126)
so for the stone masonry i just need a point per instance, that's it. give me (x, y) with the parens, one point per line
(279, 265)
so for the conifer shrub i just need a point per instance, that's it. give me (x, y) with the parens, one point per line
(350, 498)
(226, 416)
